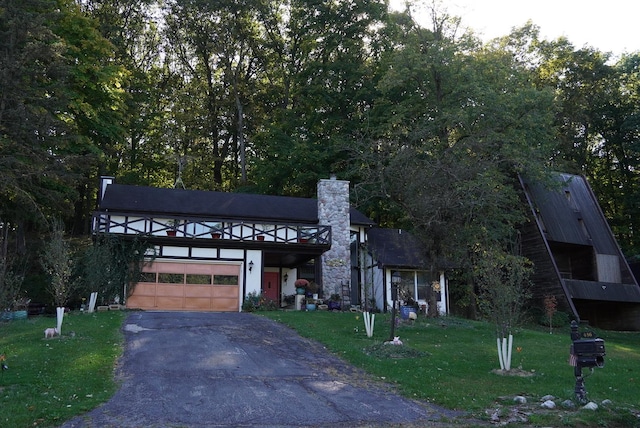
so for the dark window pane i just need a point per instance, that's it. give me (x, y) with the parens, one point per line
(225, 279)
(193, 278)
(423, 285)
(171, 278)
(147, 277)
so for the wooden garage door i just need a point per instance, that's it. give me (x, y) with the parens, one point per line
(175, 286)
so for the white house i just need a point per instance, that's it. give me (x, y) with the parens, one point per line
(211, 249)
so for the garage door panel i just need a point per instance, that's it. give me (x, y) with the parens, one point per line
(227, 270)
(225, 292)
(173, 290)
(143, 302)
(166, 267)
(198, 303)
(169, 303)
(225, 305)
(200, 269)
(145, 289)
(197, 291)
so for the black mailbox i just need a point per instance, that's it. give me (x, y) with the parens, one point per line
(589, 352)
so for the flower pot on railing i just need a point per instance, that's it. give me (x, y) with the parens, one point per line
(260, 237)
(173, 227)
(216, 230)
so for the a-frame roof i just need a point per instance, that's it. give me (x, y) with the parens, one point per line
(198, 203)
(570, 213)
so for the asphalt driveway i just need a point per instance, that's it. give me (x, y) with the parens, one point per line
(185, 369)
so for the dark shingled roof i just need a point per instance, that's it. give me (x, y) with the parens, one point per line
(199, 203)
(395, 248)
(590, 290)
(571, 214)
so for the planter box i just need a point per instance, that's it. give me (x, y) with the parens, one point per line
(406, 310)
(334, 305)
(20, 315)
(13, 315)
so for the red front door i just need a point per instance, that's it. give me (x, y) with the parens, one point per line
(270, 289)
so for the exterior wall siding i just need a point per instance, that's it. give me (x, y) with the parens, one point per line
(545, 277)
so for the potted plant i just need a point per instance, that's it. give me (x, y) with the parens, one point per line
(311, 304)
(173, 227)
(216, 231)
(304, 236)
(301, 285)
(410, 305)
(312, 290)
(334, 302)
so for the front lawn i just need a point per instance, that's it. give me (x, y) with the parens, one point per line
(446, 361)
(51, 380)
(457, 363)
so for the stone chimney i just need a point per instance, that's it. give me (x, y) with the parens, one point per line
(333, 210)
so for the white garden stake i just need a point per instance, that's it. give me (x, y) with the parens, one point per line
(92, 301)
(504, 352)
(59, 316)
(369, 322)
(508, 362)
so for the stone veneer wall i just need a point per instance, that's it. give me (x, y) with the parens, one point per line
(333, 210)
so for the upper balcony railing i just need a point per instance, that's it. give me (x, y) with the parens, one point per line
(198, 228)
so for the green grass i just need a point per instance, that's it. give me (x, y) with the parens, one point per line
(52, 380)
(456, 368)
(446, 361)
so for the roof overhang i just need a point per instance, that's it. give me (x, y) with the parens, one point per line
(603, 291)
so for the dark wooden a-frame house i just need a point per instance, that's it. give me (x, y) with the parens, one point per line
(576, 256)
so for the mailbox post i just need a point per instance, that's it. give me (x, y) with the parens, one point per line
(587, 351)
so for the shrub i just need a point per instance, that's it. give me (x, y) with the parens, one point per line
(255, 301)
(559, 319)
(11, 279)
(57, 262)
